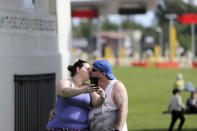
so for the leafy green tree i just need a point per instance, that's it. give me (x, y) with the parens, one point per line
(128, 24)
(108, 26)
(83, 30)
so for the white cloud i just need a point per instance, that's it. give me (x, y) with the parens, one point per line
(145, 19)
(194, 1)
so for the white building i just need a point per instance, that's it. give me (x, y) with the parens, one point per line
(34, 53)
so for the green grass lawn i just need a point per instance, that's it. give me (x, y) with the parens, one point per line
(149, 91)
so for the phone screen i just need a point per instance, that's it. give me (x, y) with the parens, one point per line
(94, 80)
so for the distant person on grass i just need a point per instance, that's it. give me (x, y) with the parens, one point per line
(192, 103)
(176, 108)
(180, 83)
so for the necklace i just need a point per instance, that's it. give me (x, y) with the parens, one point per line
(76, 83)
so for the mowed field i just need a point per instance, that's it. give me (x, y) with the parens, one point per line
(149, 91)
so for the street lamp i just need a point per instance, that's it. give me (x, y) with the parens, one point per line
(160, 31)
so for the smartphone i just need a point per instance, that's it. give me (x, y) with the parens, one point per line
(94, 80)
(91, 85)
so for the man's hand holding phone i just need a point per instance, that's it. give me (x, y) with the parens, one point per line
(101, 92)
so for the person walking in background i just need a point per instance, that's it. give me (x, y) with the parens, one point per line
(176, 108)
(110, 116)
(192, 103)
(73, 100)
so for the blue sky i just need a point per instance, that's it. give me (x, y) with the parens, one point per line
(144, 19)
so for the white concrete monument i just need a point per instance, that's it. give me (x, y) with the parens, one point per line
(32, 41)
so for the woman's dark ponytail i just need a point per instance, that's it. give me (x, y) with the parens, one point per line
(73, 68)
(70, 67)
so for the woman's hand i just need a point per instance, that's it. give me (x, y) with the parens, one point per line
(64, 89)
(52, 114)
(89, 88)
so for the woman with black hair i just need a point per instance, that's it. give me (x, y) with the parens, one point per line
(74, 98)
